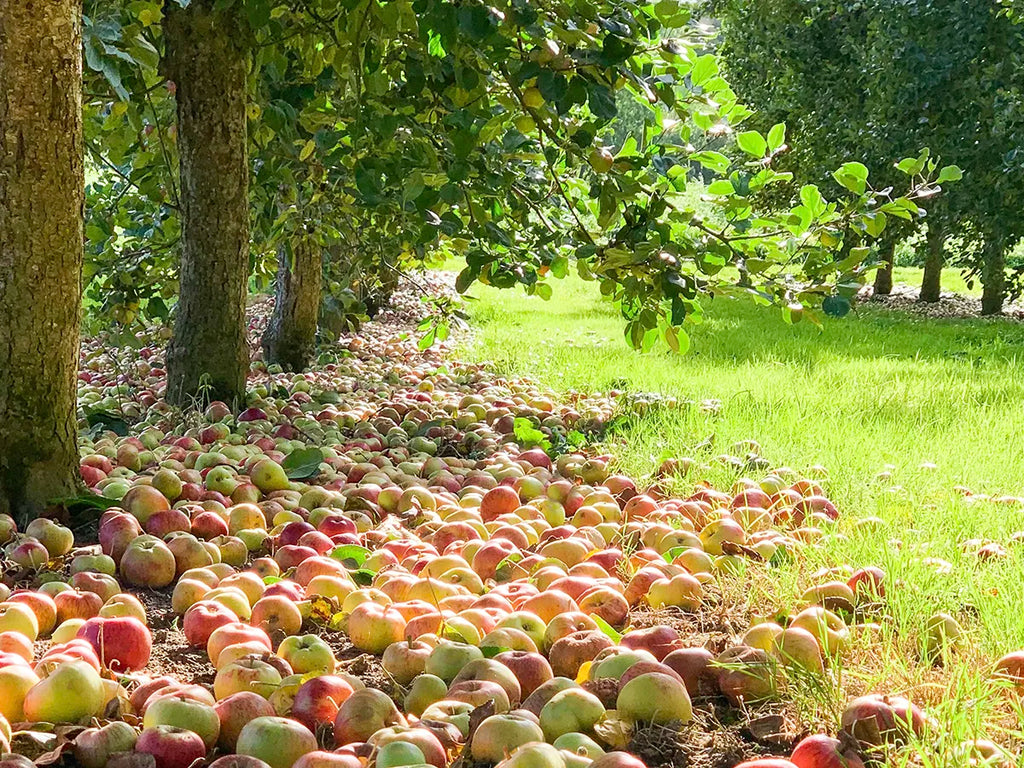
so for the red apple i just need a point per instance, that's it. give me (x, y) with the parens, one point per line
(318, 700)
(171, 747)
(531, 669)
(659, 640)
(72, 604)
(237, 710)
(203, 618)
(821, 751)
(122, 644)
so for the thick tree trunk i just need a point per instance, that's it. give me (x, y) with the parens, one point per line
(41, 199)
(993, 278)
(883, 277)
(290, 339)
(931, 280)
(205, 55)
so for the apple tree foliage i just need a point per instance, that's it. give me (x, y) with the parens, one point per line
(878, 79)
(398, 133)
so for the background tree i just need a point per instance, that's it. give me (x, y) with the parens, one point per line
(41, 191)
(877, 79)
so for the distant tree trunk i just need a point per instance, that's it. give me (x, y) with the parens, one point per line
(931, 280)
(41, 199)
(380, 296)
(883, 277)
(290, 338)
(993, 278)
(208, 61)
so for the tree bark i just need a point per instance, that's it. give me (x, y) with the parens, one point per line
(290, 338)
(208, 60)
(931, 280)
(993, 277)
(41, 199)
(883, 277)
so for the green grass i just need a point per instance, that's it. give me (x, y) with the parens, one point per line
(952, 280)
(874, 390)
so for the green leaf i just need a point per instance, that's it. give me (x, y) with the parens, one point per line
(753, 143)
(673, 553)
(811, 197)
(363, 577)
(720, 187)
(87, 501)
(258, 12)
(303, 463)
(677, 339)
(427, 340)
(608, 629)
(466, 278)
(704, 68)
(503, 568)
(559, 266)
(350, 553)
(910, 165)
(712, 160)
(528, 435)
(414, 186)
(950, 173)
(475, 21)
(853, 176)
(777, 136)
(874, 224)
(157, 307)
(107, 420)
(601, 101)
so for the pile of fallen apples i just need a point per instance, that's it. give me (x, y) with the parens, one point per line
(390, 496)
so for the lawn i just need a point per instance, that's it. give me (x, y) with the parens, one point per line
(952, 280)
(875, 392)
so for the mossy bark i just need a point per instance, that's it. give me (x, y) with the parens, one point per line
(207, 57)
(41, 201)
(290, 338)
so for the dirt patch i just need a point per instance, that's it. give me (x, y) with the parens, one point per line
(365, 666)
(715, 626)
(172, 655)
(718, 737)
(906, 298)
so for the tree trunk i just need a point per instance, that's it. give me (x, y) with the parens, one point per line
(883, 277)
(208, 358)
(931, 280)
(993, 278)
(290, 339)
(41, 199)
